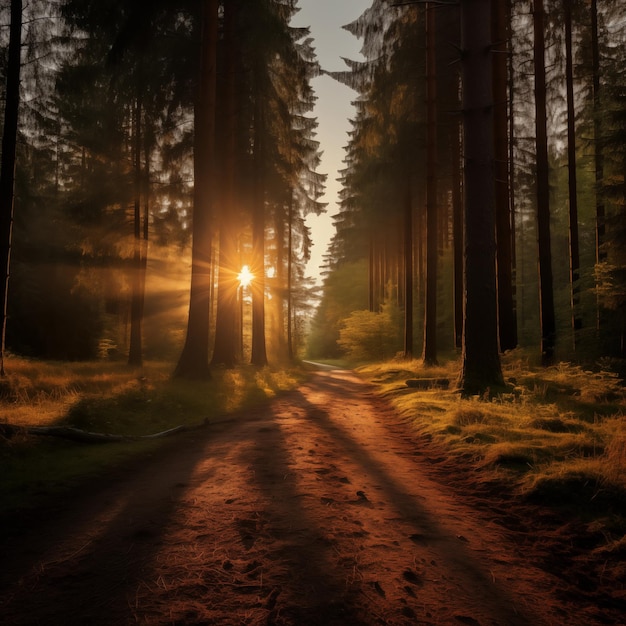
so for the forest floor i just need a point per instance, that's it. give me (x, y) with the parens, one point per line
(320, 508)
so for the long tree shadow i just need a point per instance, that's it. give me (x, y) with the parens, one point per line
(94, 581)
(409, 507)
(78, 572)
(312, 592)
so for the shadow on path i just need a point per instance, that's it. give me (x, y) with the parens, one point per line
(104, 549)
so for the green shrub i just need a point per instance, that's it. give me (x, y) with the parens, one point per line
(365, 336)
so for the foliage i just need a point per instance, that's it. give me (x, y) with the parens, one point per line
(53, 317)
(345, 290)
(388, 139)
(365, 336)
(108, 121)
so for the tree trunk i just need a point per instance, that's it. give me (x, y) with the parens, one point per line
(511, 112)
(225, 349)
(7, 167)
(194, 360)
(430, 317)
(506, 309)
(370, 275)
(481, 368)
(599, 153)
(278, 289)
(148, 145)
(290, 351)
(546, 296)
(574, 255)
(259, 353)
(135, 356)
(408, 273)
(457, 230)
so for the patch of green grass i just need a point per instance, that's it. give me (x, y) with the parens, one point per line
(110, 398)
(35, 471)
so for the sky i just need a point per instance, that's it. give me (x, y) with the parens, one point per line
(333, 108)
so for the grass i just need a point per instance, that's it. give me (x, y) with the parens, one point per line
(109, 398)
(557, 436)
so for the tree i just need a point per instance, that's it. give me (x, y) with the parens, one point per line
(7, 165)
(574, 249)
(546, 299)
(430, 317)
(135, 352)
(610, 273)
(123, 91)
(385, 161)
(194, 359)
(408, 273)
(259, 352)
(507, 321)
(597, 135)
(457, 232)
(225, 348)
(481, 369)
(279, 162)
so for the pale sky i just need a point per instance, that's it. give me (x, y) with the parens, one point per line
(333, 108)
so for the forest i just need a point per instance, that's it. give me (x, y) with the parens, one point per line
(151, 152)
(431, 429)
(555, 99)
(160, 148)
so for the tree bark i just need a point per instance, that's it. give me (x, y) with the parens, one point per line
(430, 317)
(408, 273)
(370, 276)
(546, 296)
(507, 321)
(225, 349)
(599, 153)
(457, 230)
(574, 254)
(135, 356)
(259, 352)
(7, 167)
(290, 351)
(511, 114)
(481, 369)
(194, 360)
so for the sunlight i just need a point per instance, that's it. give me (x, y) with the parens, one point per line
(245, 277)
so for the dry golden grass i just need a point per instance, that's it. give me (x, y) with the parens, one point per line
(556, 429)
(40, 393)
(615, 453)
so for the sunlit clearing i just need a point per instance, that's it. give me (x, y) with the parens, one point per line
(245, 277)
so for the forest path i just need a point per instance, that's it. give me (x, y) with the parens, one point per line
(318, 509)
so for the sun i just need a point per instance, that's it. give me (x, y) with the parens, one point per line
(245, 277)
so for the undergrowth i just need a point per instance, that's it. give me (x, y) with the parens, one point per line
(557, 436)
(109, 398)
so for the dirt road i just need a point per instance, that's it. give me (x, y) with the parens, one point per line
(319, 509)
